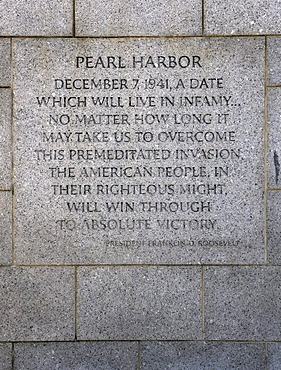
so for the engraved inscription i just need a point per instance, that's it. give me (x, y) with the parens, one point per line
(144, 149)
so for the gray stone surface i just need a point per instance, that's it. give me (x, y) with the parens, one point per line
(202, 356)
(119, 18)
(273, 356)
(76, 356)
(5, 227)
(274, 60)
(175, 208)
(5, 139)
(36, 18)
(246, 17)
(37, 303)
(274, 138)
(134, 303)
(243, 303)
(5, 66)
(274, 227)
(5, 356)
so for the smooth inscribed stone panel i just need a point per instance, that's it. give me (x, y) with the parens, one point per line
(5, 65)
(202, 356)
(37, 303)
(5, 356)
(76, 356)
(5, 139)
(5, 227)
(274, 60)
(36, 18)
(242, 17)
(243, 303)
(134, 303)
(139, 151)
(131, 18)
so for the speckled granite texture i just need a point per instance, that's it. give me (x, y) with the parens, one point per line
(140, 185)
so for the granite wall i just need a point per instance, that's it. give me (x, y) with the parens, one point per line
(140, 184)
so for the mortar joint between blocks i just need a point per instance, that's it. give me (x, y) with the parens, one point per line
(76, 301)
(203, 17)
(139, 356)
(265, 147)
(12, 147)
(203, 303)
(74, 18)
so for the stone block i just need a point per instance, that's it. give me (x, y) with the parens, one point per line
(274, 227)
(201, 355)
(273, 356)
(243, 303)
(274, 60)
(134, 303)
(37, 303)
(130, 18)
(5, 227)
(139, 151)
(242, 17)
(82, 355)
(5, 356)
(5, 66)
(274, 138)
(36, 18)
(5, 139)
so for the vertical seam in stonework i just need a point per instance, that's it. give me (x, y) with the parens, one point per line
(12, 148)
(13, 356)
(75, 301)
(73, 20)
(265, 148)
(203, 17)
(266, 355)
(139, 356)
(203, 302)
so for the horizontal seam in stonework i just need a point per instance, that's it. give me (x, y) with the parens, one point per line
(144, 36)
(147, 341)
(145, 265)
(181, 36)
(5, 266)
